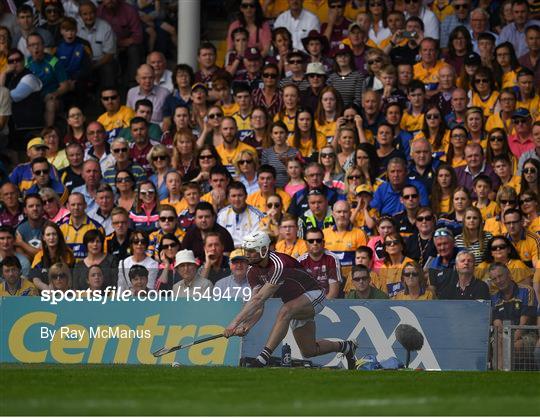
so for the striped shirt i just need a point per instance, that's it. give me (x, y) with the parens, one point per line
(479, 255)
(348, 86)
(269, 156)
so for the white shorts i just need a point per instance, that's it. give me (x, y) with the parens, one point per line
(317, 298)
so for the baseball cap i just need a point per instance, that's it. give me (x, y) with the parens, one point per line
(341, 49)
(252, 54)
(315, 68)
(237, 254)
(36, 142)
(364, 188)
(443, 232)
(473, 59)
(315, 192)
(199, 86)
(296, 53)
(354, 25)
(521, 112)
(184, 256)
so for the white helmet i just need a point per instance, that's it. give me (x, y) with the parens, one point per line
(257, 241)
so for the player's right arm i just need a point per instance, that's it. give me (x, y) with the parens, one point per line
(251, 309)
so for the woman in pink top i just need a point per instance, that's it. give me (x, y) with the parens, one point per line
(252, 18)
(385, 226)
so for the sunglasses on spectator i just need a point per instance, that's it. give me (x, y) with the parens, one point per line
(147, 192)
(41, 172)
(433, 116)
(460, 6)
(123, 180)
(459, 136)
(427, 218)
(138, 242)
(206, 157)
(273, 205)
(410, 196)
(14, 60)
(247, 5)
(410, 274)
(391, 243)
(316, 75)
(530, 170)
(315, 240)
(507, 202)
(520, 121)
(354, 177)
(526, 200)
(242, 162)
(481, 80)
(411, 1)
(499, 247)
(270, 75)
(59, 276)
(160, 158)
(119, 150)
(169, 246)
(496, 138)
(327, 154)
(107, 98)
(442, 233)
(361, 279)
(167, 218)
(49, 200)
(374, 61)
(215, 115)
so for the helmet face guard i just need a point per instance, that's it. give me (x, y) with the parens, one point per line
(259, 242)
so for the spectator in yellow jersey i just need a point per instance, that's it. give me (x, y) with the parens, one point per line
(484, 92)
(414, 284)
(13, 283)
(394, 263)
(288, 242)
(305, 138)
(427, 70)
(527, 96)
(527, 243)
(231, 146)
(242, 97)
(267, 187)
(361, 285)
(117, 115)
(528, 203)
(501, 250)
(168, 224)
(483, 187)
(413, 119)
(444, 184)
(329, 108)
(343, 238)
(503, 168)
(76, 224)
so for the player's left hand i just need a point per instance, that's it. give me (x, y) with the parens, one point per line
(240, 331)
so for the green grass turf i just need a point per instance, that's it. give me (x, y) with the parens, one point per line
(159, 390)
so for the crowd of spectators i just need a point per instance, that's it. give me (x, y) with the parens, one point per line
(392, 147)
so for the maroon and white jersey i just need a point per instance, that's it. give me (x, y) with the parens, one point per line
(326, 270)
(285, 271)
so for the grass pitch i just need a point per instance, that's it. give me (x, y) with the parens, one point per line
(159, 390)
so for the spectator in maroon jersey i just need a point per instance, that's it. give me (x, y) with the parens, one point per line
(323, 265)
(336, 28)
